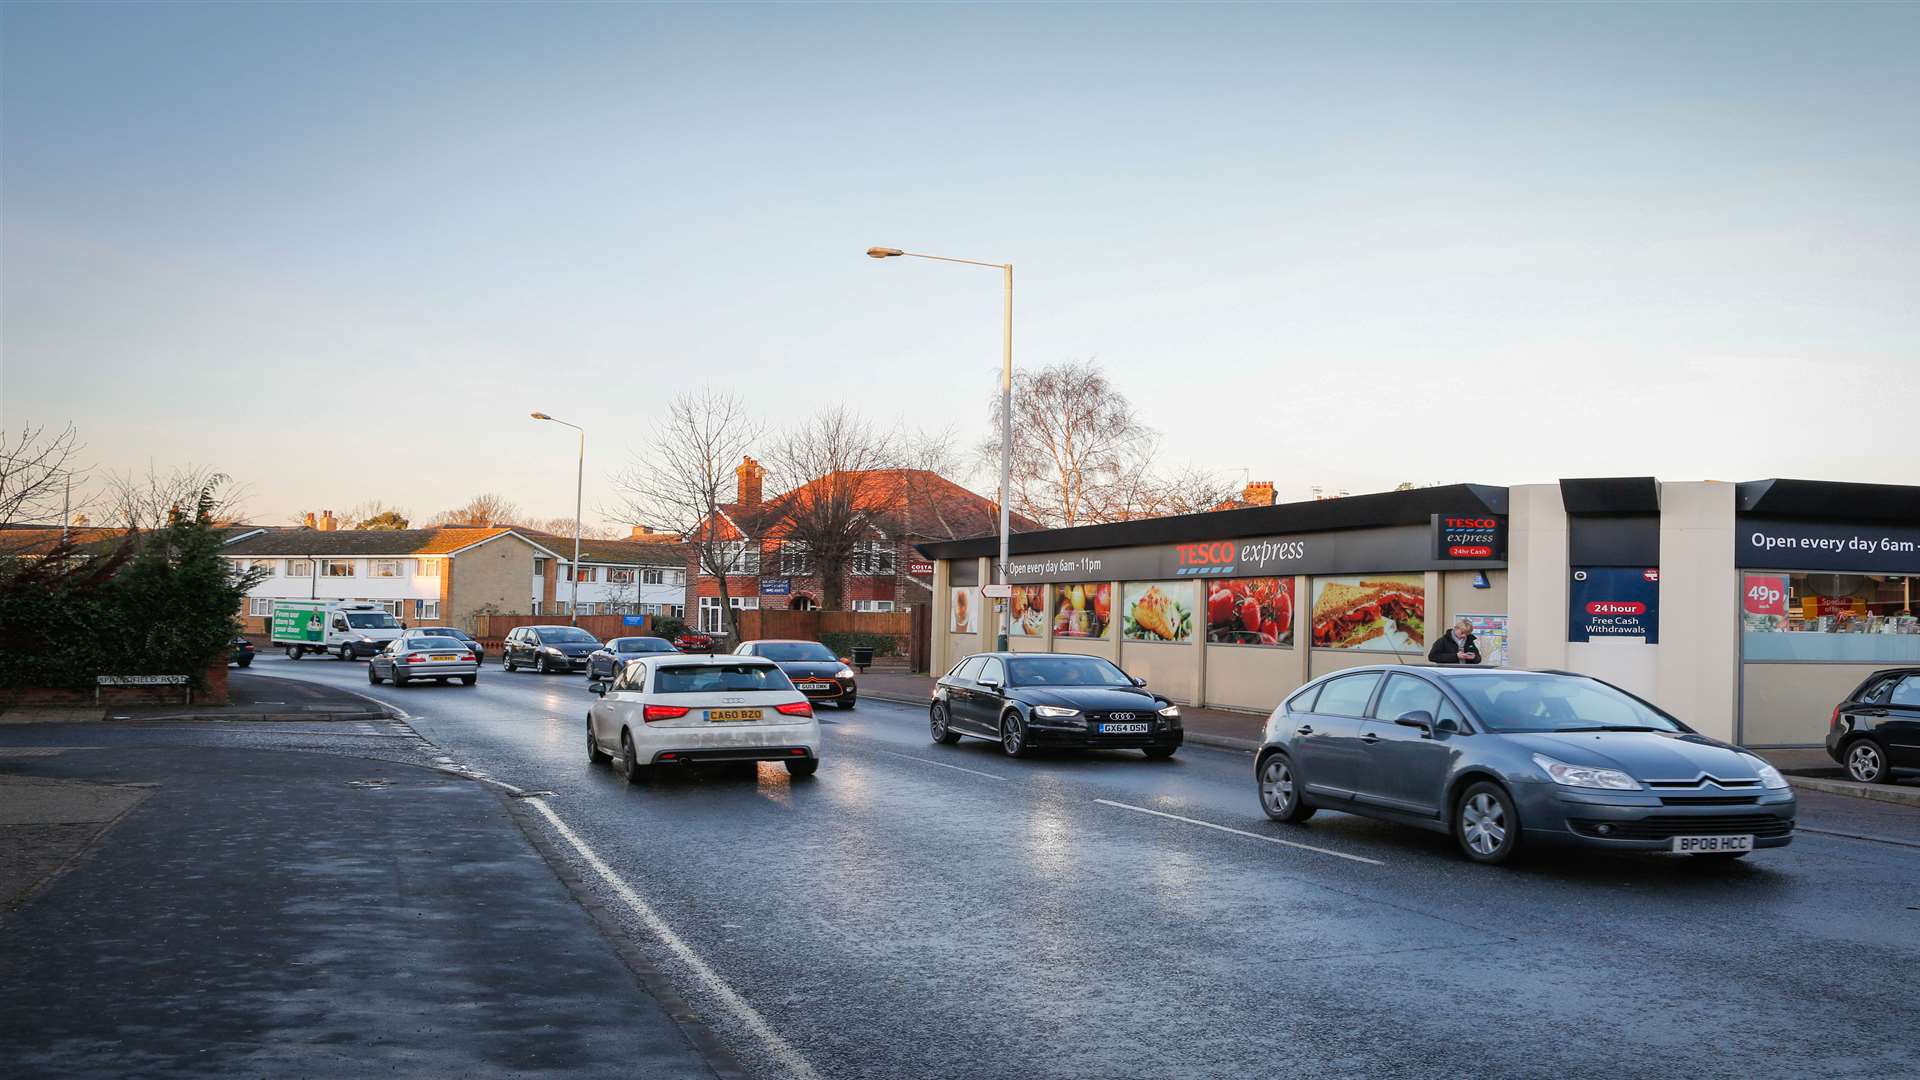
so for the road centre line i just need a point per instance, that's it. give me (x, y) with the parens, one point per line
(791, 1063)
(1241, 832)
(938, 764)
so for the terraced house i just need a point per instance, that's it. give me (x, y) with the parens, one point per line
(450, 575)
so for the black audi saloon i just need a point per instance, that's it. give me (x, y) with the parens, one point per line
(1505, 759)
(1026, 701)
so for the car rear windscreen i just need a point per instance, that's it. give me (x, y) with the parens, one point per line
(718, 678)
(436, 643)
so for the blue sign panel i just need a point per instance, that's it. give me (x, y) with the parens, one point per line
(633, 620)
(1614, 602)
(782, 587)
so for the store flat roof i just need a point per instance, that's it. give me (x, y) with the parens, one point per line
(1891, 503)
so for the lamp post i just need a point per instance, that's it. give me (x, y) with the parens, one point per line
(1006, 407)
(579, 482)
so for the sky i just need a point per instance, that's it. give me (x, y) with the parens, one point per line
(341, 251)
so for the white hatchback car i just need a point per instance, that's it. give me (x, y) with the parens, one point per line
(690, 709)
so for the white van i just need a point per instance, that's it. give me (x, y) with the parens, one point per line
(347, 629)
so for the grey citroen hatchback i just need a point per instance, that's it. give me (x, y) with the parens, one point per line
(1505, 759)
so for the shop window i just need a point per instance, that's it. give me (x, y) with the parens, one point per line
(1837, 618)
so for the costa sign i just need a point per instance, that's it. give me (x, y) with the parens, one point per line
(1474, 537)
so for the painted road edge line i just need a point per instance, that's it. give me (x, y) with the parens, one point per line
(790, 1060)
(1241, 832)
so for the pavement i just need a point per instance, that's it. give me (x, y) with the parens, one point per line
(918, 910)
(315, 896)
(249, 698)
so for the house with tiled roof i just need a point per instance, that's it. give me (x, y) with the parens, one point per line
(906, 507)
(452, 574)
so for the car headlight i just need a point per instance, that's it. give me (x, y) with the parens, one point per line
(1171, 711)
(1770, 777)
(552, 650)
(1585, 776)
(843, 673)
(1054, 712)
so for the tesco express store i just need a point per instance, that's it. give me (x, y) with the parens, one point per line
(1748, 610)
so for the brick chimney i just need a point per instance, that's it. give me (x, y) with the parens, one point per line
(1258, 493)
(327, 524)
(749, 475)
(308, 522)
(645, 532)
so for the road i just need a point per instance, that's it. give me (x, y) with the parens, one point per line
(919, 910)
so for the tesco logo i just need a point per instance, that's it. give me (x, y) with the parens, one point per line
(1219, 553)
(1472, 523)
(1616, 607)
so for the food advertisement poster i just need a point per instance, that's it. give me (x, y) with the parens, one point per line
(1250, 611)
(1614, 602)
(1158, 611)
(1763, 603)
(1029, 610)
(1081, 610)
(966, 612)
(1371, 613)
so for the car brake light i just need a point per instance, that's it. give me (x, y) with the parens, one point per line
(415, 658)
(795, 708)
(662, 712)
(1834, 724)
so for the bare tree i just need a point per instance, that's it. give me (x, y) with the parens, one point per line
(489, 509)
(684, 476)
(563, 526)
(1142, 488)
(36, 473)
(154, 500)
(1072, 431)
(831, 470)
(373, 514)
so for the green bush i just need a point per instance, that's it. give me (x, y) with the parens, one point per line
(162, 604)
(668, 627)
(842, 643)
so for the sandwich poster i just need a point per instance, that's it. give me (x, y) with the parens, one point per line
(1028, 604)
(1082, 610)
(1250, 611)
(1371, 613)
(1160, 611)
(966, 611)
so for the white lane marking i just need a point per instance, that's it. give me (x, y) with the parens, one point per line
(790, 1060)
(937, 764)
(1241, 832)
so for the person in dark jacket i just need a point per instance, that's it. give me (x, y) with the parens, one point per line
(1456, 646)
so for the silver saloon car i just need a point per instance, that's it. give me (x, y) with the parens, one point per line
(417, 657)
(1505, 760)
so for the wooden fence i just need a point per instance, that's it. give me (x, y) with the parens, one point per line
(810, 625)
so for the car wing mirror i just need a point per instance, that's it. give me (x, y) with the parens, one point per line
(1418, 718)
(1138, 681)
(989, 684)
(598, 687)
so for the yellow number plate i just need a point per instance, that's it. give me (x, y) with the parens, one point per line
(444, 656)
(717, 716)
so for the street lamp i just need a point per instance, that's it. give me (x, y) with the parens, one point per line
(579, 482)
(1006, 407)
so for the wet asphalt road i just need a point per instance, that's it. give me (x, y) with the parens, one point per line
(927, 911)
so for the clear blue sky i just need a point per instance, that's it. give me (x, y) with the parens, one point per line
(342, 250)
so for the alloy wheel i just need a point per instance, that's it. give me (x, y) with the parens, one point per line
(1863, 762)
(1485, 824)
(1011, 735)
(1276, 785)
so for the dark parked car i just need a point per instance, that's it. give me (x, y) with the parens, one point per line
(414, 656)
(473, 644)
(1502, 758)
(815, 671)
(606, 660)
(241, 652)
(548, 648)
(1875, 733)
(1025, 701)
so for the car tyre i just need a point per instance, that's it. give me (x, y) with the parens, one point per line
(507, 663)
(595, 755)
(1013, 735)
(469, 680)
(1486, 824)
(847, 704)
(296, 653)
(630, 766)
(247, 662)
(1280, 793)
(345, 653)
(372, 675)
(1867, 762)
(800, 767)
(540, 665)
(937, 724)
(1159, 753)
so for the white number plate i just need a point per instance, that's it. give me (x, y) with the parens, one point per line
(1125, 729)
(815, 685)
(1701, 845)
